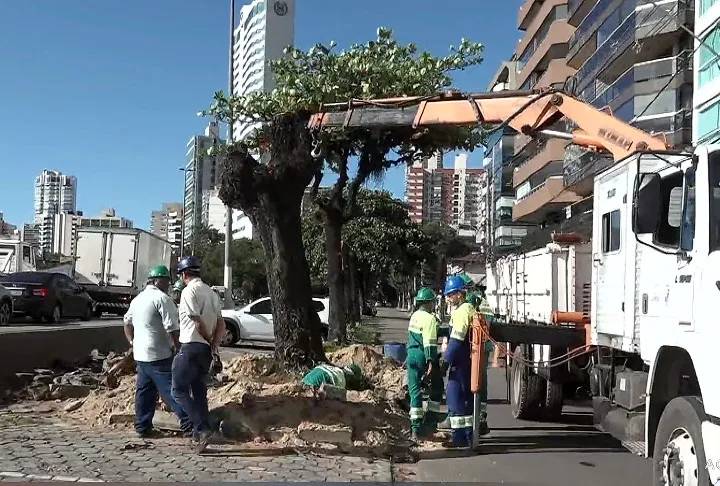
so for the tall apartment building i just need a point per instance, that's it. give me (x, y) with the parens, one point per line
(215, 212)
(106, 219)
(266, 27)
(65, 226)
(634, 58)
(55, 193)
(6, 229)
(706, 101)
(202, 173)
(166, 223)
(449, 196)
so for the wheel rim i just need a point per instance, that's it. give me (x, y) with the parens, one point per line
(680, 462)
(56, 314)
(517, 384)
(4, 314)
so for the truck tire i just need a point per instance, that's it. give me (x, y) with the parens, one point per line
(552, 409)
(679, 449)
(526, 395)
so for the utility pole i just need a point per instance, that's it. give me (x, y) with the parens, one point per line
(227, 277)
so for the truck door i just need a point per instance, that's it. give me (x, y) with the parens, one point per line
(120, 259)
(610, 257)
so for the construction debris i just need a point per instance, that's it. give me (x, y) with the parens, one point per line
(253, 401)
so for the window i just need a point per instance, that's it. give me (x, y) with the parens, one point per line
(709, 63)
(262, 307)
(714, 190)
(705, 5)
(611, 231)
(671, 194)
(708, 122)
(688, 228)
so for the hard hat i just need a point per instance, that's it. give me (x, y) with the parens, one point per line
(454, 284)
(178, 285)
(425, 295)
(189, 263)
(466, 279)
(473, 299)
(161, 271)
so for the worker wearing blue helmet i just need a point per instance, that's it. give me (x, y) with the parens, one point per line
(457, 355)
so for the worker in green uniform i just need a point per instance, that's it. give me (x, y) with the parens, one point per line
(177, 290)
(423, 365)
(348, 377)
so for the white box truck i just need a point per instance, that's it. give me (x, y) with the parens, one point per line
(112, 264)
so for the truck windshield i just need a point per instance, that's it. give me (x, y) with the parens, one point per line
(714, 192)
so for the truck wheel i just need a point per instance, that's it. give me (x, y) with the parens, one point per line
(553, 400)
(679, 454)
(526, 388)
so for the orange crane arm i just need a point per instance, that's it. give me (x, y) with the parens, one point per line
(528, 112)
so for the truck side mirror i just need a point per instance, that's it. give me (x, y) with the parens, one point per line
(646, 204)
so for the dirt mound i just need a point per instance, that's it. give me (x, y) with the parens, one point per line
(383, 373)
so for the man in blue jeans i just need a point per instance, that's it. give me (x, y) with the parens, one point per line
(152, 329)
(201, 331)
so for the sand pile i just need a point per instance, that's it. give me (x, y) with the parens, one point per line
(386, 376)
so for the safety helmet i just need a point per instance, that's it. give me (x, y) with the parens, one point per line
(189, 263)
(353, 369)
(425, 295)
(178, 285)
(161, 271)
(454, 284)
(466, 279)
(473, 299)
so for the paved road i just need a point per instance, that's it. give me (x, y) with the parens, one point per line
(568, 453)
(27, 325)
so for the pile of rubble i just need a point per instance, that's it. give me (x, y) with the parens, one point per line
(253, 402)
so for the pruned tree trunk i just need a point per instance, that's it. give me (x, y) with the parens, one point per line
(270, 194)
(333, 219)
(354, 306)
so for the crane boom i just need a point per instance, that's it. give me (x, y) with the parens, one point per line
(528, 112)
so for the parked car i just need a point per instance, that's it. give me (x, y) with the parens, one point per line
(369, 309)
(6, 306)
(48, 296)
(254, 322)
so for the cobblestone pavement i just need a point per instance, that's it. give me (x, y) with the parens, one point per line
(39, 451)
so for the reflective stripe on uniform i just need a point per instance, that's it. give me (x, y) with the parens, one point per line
(416, 413)
(460, 319)
(461, 422)
(433, 406)
(337, 376)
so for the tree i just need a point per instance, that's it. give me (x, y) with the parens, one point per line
(248, 268)
(269, 192)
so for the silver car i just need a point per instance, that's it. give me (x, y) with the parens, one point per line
(6, 306)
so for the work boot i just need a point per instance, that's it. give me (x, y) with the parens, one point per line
(414, 437)
(483, 428)
(201, 441)
(147, 433)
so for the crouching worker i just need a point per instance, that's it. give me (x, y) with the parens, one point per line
(423, 365)
(326, 376)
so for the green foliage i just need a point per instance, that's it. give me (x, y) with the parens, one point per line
(382, 68)
(314, 243)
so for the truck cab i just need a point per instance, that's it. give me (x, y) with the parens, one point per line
(656, 288)
(16, 256)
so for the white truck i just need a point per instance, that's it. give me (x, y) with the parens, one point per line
(648, 290)
(112, 264)
(16, 256)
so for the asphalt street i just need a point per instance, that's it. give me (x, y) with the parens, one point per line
(569, 452)
(21, 325)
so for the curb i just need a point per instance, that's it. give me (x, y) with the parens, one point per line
(47, 477)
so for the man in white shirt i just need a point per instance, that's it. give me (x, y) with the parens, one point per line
(201, 331)
(152, 328)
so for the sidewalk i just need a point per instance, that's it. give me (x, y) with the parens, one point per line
(34, 450)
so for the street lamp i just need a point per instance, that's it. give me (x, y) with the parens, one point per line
(227, 274)
(182, 221)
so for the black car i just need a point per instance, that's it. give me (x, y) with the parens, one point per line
(48, 296)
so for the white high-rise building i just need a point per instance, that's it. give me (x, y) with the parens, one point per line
(55, 193)
(202, 173)
(265, 29)
(214, 214)
(167, 223)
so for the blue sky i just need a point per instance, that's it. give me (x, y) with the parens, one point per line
(108, 92)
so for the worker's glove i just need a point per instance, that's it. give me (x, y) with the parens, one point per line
(444, 345)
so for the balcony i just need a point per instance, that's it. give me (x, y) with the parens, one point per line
(553, 45)
(615, 55)
(542, 154)
(548, 197)
(549, 11)
(578, 10)
(583, 42)
(527, 13)
(579, 172)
